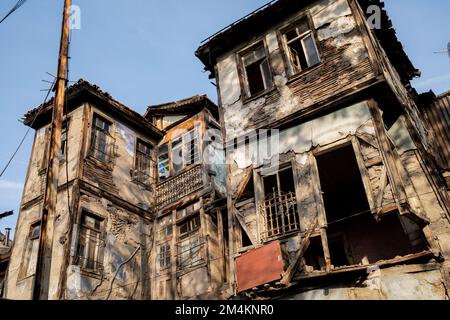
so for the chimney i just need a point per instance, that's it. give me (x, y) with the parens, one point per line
(8, 230)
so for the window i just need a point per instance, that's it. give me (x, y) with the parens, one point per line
(30, 253)
(184, 151)
(63, 150)
(165, 233)
(189, 227)
(190, 244)
(144, 163)
(177, 155)
(280, 204)
(102, 144)
(163, 163)
(257, 70)
(191, 148)
(90, 244)
(164, 256)
(301, 47)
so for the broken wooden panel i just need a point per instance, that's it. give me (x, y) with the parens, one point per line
(306, 196)
(259, 266)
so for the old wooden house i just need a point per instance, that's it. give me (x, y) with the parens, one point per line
(133, 223)
(345, 201)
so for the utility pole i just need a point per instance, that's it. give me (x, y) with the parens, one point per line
(43, 268)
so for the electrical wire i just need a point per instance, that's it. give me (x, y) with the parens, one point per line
(17, 6)
(28, 131)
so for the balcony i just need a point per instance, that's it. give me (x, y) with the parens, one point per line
(179, 186)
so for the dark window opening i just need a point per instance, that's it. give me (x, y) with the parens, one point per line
(246, 242)
(257, 70)
(301, 46)
(354, 236)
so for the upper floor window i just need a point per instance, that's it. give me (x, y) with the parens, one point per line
(301, 46)
(143, 163)
(257, 70)
(90, 243)
(102, 143)
(163, 163)
(31, 251)
(184, 151)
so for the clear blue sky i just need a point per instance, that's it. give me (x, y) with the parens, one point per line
(142, 53)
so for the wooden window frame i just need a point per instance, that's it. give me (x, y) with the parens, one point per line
(99, 250)
(144, 178)
(28, 251)
(109, 156)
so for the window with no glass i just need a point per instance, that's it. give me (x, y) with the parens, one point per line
(257, 71)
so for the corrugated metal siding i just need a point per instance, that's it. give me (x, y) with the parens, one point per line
(439, 118)
(259, 266)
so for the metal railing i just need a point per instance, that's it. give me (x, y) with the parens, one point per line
(183, 184)
(279, 215)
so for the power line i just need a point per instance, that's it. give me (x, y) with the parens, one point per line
(28, 131)
(17, 6)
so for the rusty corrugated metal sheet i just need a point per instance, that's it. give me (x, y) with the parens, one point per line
(439, 119)
(259, 266)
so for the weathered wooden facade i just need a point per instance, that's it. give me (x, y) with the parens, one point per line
(347, 196)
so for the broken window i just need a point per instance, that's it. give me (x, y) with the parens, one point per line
(257, 70)
(144, 164)
(102, 143)
(190, 244)
(164, 256)
(30, 254)
(279, 209)
(90, 243)
(354, 236)
(163, 163)
(301, 46)
(63, 150)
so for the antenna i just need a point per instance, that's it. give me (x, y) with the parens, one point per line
(445, 50)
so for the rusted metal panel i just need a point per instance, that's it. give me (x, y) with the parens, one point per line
(259, 266)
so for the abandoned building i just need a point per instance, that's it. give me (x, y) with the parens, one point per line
(320, 174)
(352, 207)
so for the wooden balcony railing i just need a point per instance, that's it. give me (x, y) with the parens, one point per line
(179, 186)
